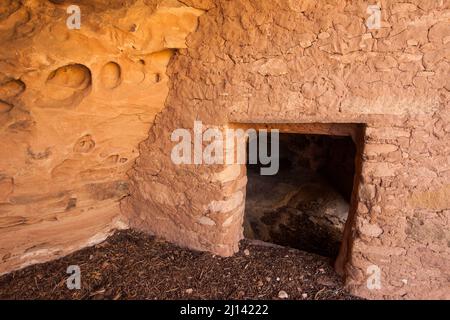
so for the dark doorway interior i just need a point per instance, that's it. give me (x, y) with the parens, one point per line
(305, 205)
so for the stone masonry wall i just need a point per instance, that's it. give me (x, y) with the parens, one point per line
(287, 61)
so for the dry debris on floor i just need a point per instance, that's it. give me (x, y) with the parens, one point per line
(131, 265)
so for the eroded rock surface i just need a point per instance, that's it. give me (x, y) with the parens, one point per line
(74, 105)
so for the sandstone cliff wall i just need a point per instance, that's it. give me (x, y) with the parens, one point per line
(74, 105)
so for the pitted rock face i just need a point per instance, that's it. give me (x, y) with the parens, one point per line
(74, 105)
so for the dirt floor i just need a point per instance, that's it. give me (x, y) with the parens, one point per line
(130, 265)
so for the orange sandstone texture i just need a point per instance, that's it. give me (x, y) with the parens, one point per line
(74, 105)
(288, 61)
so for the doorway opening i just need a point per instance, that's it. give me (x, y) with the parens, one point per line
(307, 203)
